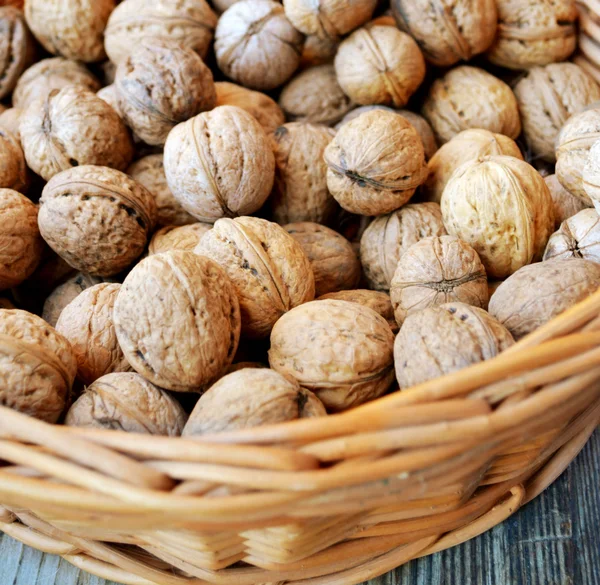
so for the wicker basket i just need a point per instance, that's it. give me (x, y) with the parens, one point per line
(318, 501)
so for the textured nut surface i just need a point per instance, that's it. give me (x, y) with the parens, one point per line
(379, 65)
(318, 51)
(185, 237)
(340, 350)
(127, 402)
(501, 206)
(389, 236)
(577, 237)
(435, 271)
(10, 120)
(37, 366)
(220, 164)
(444, 339)
(590, 175)
(469, 97)
(248, 398)
(300, 190)
(21, 245)
(268, 268)
(376, 162)
(17, 48)
(13, 168)
(256, 45)
(539, 292)
(565, 204)
(97, 219)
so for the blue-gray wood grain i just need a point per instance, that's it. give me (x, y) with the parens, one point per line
(555, 540)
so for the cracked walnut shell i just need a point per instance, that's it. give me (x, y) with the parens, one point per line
(13, 168)
(185, 237)
(578, 237)
(565, 204)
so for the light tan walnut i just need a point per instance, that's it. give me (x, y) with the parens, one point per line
(468, 97)
(577, 237)
(177, 320)
(565, 204)
(13, 168)
(185, 237)
(127, 402)
(590, 175)
(318, 51)
(37, 366)
(10, 120)
(446, 338)
(96, 218)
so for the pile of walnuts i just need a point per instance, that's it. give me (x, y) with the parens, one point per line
(218, 216)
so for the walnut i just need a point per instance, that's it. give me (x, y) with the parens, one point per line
(21, 245)
(182, 338)
(379, 65)
(341, 351)
(249, 398)
(532, 33)
(501, 206)
(256, 45)
(37, 366)
(190, 23)
(389, 236)
(537, 293)
(578, 237)
(318, 51)
(220, 164)
(127, 402)
(465, 146)
(435, 271)
(71, 28)
(300, 190)
(468, 97)
(185, 237)
(376, 162)
(10, 120)
(160, 84)
(448, 33)
(72, 127)
(266, 111)
(588, 63)
(13, 168)
(547, 97)
(315, 95)
(97, 219)
(222, 5)
(49, 74)
(565, 204)
(109, 95)
(446, 338)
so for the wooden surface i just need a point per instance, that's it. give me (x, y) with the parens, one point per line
(555, 540)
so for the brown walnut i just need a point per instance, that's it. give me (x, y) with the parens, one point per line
(13, 168)
(577, 237)
(318, 51)
(185, 237)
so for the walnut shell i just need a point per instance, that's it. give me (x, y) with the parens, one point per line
(266, 111)
(469, 97)
(185, 336)
(249, 398)
(318, 51)
(190, 23)
(501, 206)
(376, 162)
(6, 303)
(547, 97)
(185, 237)
(222, 5)
(537, 293)
(389, 236)
(127, 402)
(465, 146)
(256, 45)
(565, 204)
(13, 168)
(71, 28)
(10, 120)
(109, 95)
(532, 33)
(446, 338)
(72, 127)
(96, 218)
(340, 350)
(578, 237)
(588, 64)
(37, 366)
(315, 95)
(379, 65)
(300, 190)
(21, 245)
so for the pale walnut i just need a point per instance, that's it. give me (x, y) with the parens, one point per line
(387, 238)
(109, 95)
(220, 164)
(376, 162)
(589, 64)
(269, 270)
(73, 127)
(185, 237)
(537, 293)
(318, 51)
(577, 237)
(251, 397)
(13, 168)
(177, 320)
(341, 351)
(446, 338)
(468, 97)
(256, 45)
(97, 219)
(379, 65)
(21, 245)
(547, 97)
(501, 206)
(127, 402)
(565, 204)
(590, 176)
(37, 366)
(10, 120)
